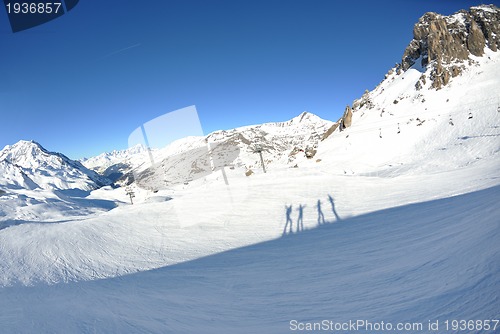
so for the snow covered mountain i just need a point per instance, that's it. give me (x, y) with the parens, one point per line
(27, 164)
(416, 120)
(103, 161)
(116, 165)
(282, 143)
(38, 185)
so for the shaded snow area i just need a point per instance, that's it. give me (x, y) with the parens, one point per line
(394, 220)
(413, 263)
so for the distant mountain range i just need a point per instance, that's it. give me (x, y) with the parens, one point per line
(280, 143)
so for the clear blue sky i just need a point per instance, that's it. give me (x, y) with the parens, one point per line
(82, 83)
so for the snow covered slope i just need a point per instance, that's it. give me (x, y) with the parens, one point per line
(424, 262)
(36, 185)
(13, 176)
(401, 129)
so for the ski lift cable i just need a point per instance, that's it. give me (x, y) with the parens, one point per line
(394, 121)
(449, 111)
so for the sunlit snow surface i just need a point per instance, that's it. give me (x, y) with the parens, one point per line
(411, 232)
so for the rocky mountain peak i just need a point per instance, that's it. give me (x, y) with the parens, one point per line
(49, 170)
(22, 151)
(445, 42)
(304, 118)
(30, 154)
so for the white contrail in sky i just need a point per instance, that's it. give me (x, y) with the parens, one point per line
(121, 50)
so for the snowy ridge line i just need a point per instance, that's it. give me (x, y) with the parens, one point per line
(375, 125)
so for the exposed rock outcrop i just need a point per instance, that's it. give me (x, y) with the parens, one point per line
(330, 131)
(310, 152)
(476, 40)
(444, 42)
(347, 117)
(365, 99)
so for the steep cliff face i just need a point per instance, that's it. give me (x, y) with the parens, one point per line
(446, 43)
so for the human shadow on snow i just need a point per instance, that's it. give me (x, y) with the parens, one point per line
(288, 229)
